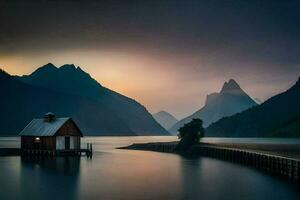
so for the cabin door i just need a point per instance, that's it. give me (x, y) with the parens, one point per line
(67, 143)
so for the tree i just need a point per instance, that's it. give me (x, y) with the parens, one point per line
(190, 134)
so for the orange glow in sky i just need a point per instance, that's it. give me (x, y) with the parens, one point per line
(159, 82)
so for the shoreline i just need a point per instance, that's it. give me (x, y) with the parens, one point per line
(290, 151)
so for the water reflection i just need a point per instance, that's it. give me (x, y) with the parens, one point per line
(208, 178)
(49, 178)
(189, 173)
(115, 174)
(64, 165)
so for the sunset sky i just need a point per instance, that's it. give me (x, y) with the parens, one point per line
(168, 55)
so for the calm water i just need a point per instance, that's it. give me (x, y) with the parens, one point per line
(130, 175)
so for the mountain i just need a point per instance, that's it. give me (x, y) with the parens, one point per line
(165, 119)
(230, 100)
(278, 116)
(20, 103)
(69, 91)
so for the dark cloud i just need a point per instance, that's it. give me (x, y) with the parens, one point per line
(227, 37)
(251, 28)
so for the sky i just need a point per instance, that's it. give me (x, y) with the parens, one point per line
(168, 55)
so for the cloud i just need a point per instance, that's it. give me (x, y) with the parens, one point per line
(157, 50)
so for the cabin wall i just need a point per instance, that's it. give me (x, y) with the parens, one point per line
(68, 129)
(45, 143)
(27, 142)
(74, 142)
(48, 143)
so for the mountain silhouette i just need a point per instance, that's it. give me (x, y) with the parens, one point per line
(230, 100)
(69, 91)
(20, 103)
(165, 119)
(278, 116)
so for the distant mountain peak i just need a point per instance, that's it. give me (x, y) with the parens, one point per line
(73, 69)
(230, 100)
(50, 65)
(44, 69)
(165, 119)
(230, 86)
(276, 117)
(68, 66)
(51, 70)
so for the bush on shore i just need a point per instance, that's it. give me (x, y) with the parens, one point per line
(190, 134)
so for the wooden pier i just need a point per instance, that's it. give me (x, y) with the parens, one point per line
(285, 167)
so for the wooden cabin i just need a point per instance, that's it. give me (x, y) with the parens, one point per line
(51, 134)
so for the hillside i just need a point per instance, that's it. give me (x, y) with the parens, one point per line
(230, 100)
(278, 116)
(20, 103)
(71, 94)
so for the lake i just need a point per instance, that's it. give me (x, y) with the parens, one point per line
(114, 174)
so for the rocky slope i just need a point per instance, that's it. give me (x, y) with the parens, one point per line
(230, 100)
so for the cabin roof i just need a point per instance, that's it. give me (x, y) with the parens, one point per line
(41, 127)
